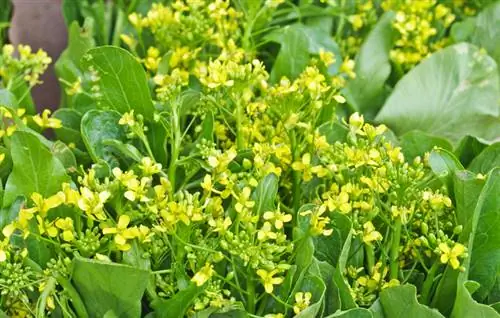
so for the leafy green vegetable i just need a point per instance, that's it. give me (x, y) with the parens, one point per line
(97, 127)
(120, 81)
(488, 159)
(451, 94)
(35, 169)
(366, 92)
(103, 287)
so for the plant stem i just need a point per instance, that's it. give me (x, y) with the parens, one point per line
(295, 174)
(239, 132)
(370, 257)
(175, 144)
(74, 296)
(429, 281)
(396, 237)
(42, 300)
(251, 293)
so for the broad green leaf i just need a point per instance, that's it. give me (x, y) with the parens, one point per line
(401, 301)
(177, 305)
(466, 190)
(466, 306)
(366, 92)
(98, 126)
(109, 286)
(333, 131)
(329, 248)
(352, 313)
(120, 80)
(416, 143)
(315, 285)
(485, 254)
(21, 91)
(346, 299)
(35, 168)
(70, 130)
(486, 31)
(453, 93)
(293, 56)
(157, 136)
(468, 148)
(488, 159)
(7, 98)
(265, 194)
(64, 154)
(444, 164)
(125, 149)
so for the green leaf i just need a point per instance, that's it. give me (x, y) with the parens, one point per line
(466, 190)
(444, 164)
(109, 286)
(265, 194)
(451, 94)
(177, 305)
(333, 131)
(70, 130)
(466, 306)
(329, 248)
(416, 143)
(98, 126)
(293, 56)
(366, 92)
(485, 254)
(315, 285)
(401, 301)
(35, 168)
(127, 150)
(488, 159)
(120, 79)
(468, 148)
(352, 313)
(64, 154)
(157, 136)
(486, 30)
(8, 99)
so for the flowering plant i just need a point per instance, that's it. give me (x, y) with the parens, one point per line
(223, 166)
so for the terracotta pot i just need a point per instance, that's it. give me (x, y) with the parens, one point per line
(40, 24)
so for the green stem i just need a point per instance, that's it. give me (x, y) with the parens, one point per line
(340, 28)
(251, 293)
(429, 281)
(74, 296)
(176, 142)
(396, 237)
(370, 257)
(42, 300)
(239, 133)
(295, 174)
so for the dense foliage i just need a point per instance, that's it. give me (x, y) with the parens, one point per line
(256, 158)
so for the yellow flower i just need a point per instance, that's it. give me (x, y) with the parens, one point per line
(326, 57)
(122, 232)
(370, 234)
(42, 205)
(356, 121)
(244, 201)
(4, 249)
(149, 167)
(92, 203)
(268, 280)
(356, 21)
(45, 122)
(278, 217)
(71, 196)
(302, 301)
(66, 225)
(451, 255)
(305, 166)
(127, 119)
(46, 227)
(203, 275)
(137, 190)
(207, 183)
(266, 232)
